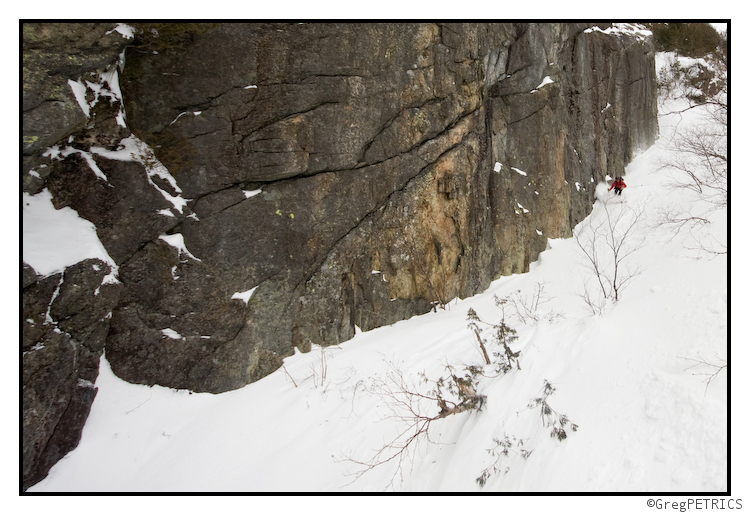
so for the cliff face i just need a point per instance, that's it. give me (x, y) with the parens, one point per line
(398, 165)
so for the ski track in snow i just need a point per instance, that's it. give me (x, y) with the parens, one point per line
(646, 420)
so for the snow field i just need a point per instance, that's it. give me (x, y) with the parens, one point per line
(647, 422)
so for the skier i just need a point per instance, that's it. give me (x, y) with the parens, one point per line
(618, 185)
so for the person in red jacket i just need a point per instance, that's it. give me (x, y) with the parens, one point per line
(618, 185)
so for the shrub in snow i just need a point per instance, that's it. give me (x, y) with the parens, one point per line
(607, 239)
(550, 417)
(502, 449)
(699, 151)
(463, 391)
(414, 412)
(510, 444)
(503, 336)
(714, 369)
(526, 309)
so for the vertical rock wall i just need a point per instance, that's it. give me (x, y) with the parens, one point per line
(334, 174)
(375, 147)
(65, 316)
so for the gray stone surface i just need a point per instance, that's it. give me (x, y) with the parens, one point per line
(65, 322)
(375, 147)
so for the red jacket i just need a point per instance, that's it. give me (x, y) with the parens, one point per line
(618, 184)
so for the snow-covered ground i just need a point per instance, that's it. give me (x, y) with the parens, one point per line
(629, 379)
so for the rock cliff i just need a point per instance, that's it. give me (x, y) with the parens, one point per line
(275, 185)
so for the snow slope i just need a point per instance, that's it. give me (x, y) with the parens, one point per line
(647, 420)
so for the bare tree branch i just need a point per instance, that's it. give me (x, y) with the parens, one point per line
(716, 369)
(416, 412)
(606, 243)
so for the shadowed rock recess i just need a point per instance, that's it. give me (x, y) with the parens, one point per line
(399, 166)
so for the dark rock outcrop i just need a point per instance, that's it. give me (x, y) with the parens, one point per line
(375, 148)
(399, 166)
(53, 54)
(65, 323)
(66, 315)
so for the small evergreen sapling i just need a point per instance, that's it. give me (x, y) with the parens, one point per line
(550, 417)
(506, 335)
(502, 450)
(503, 337)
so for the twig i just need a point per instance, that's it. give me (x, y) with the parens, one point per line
(290, 376)
(711, 377)
(141, 404)
(481, 346)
